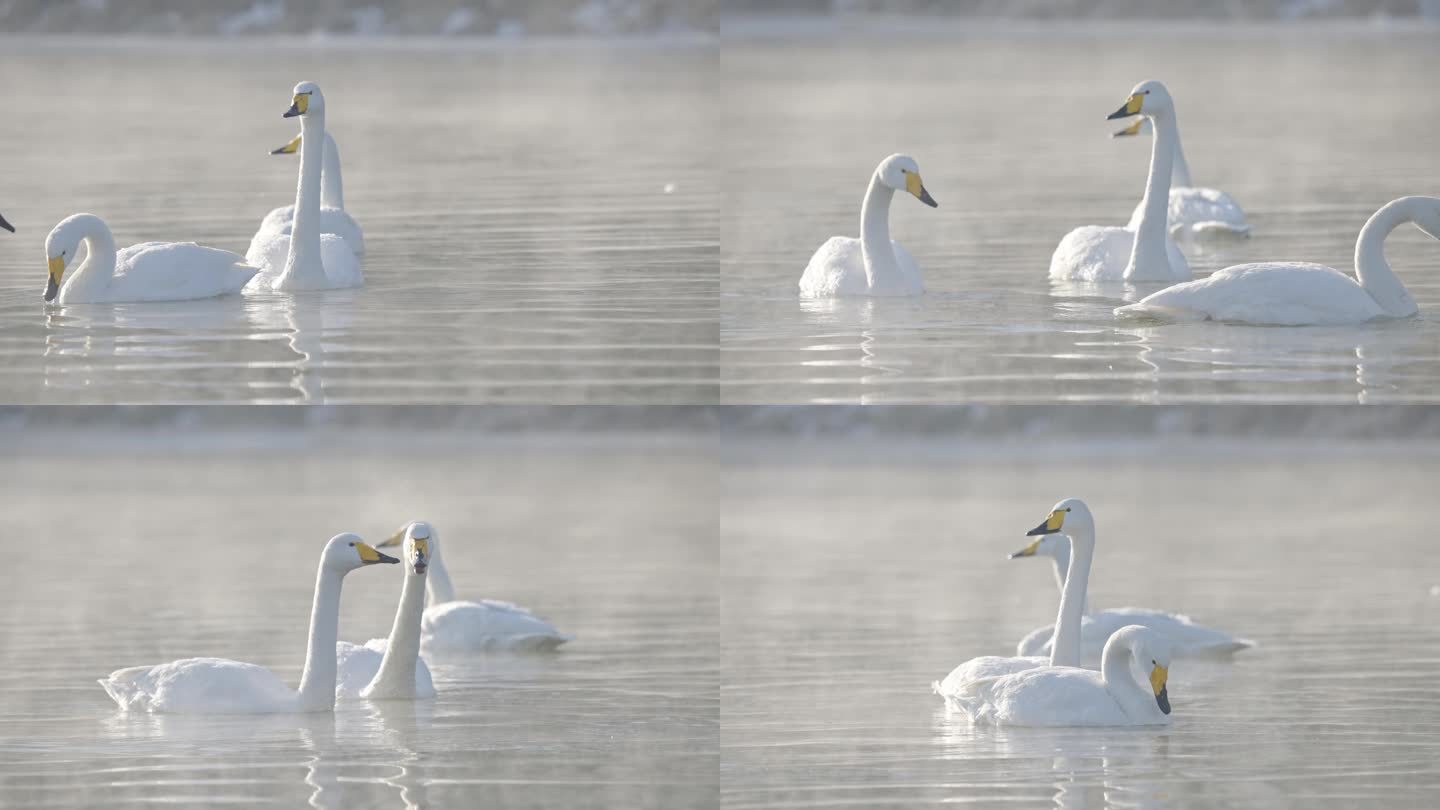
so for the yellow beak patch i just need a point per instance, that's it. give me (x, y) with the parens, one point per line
(394, 539)
(1132, 104)
(1133, 129)
(423, 546)
(367, 554)
(289, 148)
(913, 184)
(1158, 675)
(1028, 551)
(1055, 521)
(302, 102)
(57, 268)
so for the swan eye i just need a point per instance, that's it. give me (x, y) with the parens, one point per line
(352, 545)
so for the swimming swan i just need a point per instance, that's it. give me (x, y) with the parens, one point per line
(1299, 293)
(333, 217)
(873, 264)
(217, 685)
(458, 626)
(313, 260)
(1069, 696)
(150, 271)
(1144, 250)
(392, 668)
(1186, 638)
(1073, 516)
(1193, 211)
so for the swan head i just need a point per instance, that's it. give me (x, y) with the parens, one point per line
(902, 173)
(1067, 517)
(1152, 655)
(419, 541)
(1046, 545)
(306, 101)
(346, 552)
(60, 247)
(1148, 99)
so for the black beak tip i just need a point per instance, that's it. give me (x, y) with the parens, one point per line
(279, 151)
(51, 290)
(290, 113)
(1038, 531)
(1120, 113)
(1163, 699)
(386, 558)
(927, 199)
(7, 226)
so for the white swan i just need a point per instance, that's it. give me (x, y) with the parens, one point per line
(150, 271)
(217, 685)
(392, 668)
(1299, 293)
(873, 264)
(459, 626)
(333, 216)
(313, 260)
(1143, 251)
(1186, 638)
(1073, 516)
(1069, 696)
(1193, 211)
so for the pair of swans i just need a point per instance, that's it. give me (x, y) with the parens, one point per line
(289, 253)
(1056, 691)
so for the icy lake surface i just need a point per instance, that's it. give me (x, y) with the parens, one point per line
(539, 218)
(138, 556)
(858, 572)
(1311, 128)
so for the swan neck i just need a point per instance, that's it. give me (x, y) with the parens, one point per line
(1371, 266)
(1151, 231)
(95, 274)
(304, 259)
(1115, 668)
(1180, 171)
(1065, 647)
(437, 583)
(1062, 568)
(332, 189)
(875, 246)
(397, 668)
(317, 683)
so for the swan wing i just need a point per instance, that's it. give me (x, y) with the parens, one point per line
(176, 271)
(487, 625)
(200, 685)
(1276, 293)
(985, 666)
(1092, 253)
(1197, 211)
(1044, 696)
(270, 251)
(342, 266)
(837, 268)
(356, 666)
(281, 222)
(1186, 638)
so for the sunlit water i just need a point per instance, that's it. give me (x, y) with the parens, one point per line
(540, 219)
(856, 575)
(1310, 128)
(126, 555)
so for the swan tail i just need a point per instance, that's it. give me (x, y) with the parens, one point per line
(1219, 228)
(122, 688)
(1224, 648)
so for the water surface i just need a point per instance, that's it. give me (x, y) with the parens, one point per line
(1310, 128)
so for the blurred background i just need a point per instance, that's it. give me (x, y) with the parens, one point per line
(1101, 9)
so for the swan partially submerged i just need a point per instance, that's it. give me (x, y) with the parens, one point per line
(333, 216)
(1070, 696)
(1073, 517)
(150, 271)
(391, 668)
(1193, 211)
(221, 686)
(1142, 251)
(313, 260)
(872, 265)
(1300, 293)
(1186, 638)
(457, 626)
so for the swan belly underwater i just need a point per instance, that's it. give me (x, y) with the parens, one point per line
(151, 271)
(1095, 253)
(1274, 294)
(838, 269)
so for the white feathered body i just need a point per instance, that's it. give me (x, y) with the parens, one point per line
(1274, 293)
(838, 269)
(1195, 211)
(487, 625)
(166, 271)
(1048, 696)
(358, 665)
(201, 685)
(1186, 638)
(1095, 253)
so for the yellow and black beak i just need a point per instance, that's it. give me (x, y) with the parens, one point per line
(1130, 107)
(422, 555)
(7, 226)
(395, 539)
(370, 556)
(1028, 551)
(1133, 129)
(57, 272)
(914, 185)
(289, 148)
(1158, 676)
(1051, 525)
(298, 106)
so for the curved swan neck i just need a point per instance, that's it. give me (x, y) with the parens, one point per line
(1062, 569)
(1065, 646)
(1115, 668)
(1370, 265)
(397, 669)
(317, 683)
(438, 589)
(1150, 233)
(304, 261)
(875, 246)
(1180, 171)
(95, 274)
(332, 188)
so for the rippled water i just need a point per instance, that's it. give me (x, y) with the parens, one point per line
(1310, 128)
(125, 555)
(521, 244)
(857, 574)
